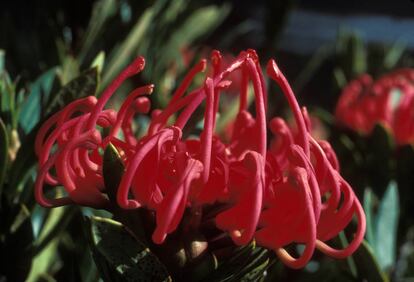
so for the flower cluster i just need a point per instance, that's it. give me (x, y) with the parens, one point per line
(388, 100)
(288, 191)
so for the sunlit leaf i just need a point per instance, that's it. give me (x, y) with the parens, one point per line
(39, 94)
(56, 222)
(99, 62)
(386, 227)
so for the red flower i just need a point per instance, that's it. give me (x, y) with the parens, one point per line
(388, 100)
(273, 194)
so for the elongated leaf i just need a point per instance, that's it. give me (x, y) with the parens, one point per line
(203, 267)
(380, 149)
(113, 169)
(39, 94)
(358, 55)
(85, 84)
(4, 145)
(394, 54)
(2, 60)
(44, 261)
(99, 62)
(128, 48)
(368, 206)
(315, 62)
(367, 265)
(102, 11)
(56, 222)
(246, 262)
(386, 227)
(256, 267)
(119, 256)
(199, 23)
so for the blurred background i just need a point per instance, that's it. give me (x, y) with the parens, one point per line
(319, 45)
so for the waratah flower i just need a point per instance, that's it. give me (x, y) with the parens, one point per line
(388, 101)
(287, 191)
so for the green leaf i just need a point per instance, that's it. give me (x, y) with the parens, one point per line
(39, 94)
(4, 145)
(245, 263)
(56, 222)
(311, 68)
(84, 85)
(256, 267)
(405, 180)
(99, 62)
(394, 54)
(2, 60)
(69, 69)
(44, 261)
(113, 169)
(340, 77)
(102, 11)
(368, 208)
(119, 255)
(199, 23)
(367, 266)
(203, 267)
(123, 54)
(379, 160)
(358, 55)
(386, 227)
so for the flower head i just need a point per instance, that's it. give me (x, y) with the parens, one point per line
(388, 100)
(288, 191)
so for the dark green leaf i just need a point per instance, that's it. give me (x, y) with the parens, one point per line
(2, 60)
(102, 11)
(84, 85)
(246, 262)
(256, 267)
(113, 169)
(4, 145)
(119, 255)
(203, 267)
(405, 179)
(379, 162)
(367, 265)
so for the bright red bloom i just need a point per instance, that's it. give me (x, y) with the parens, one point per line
(288, 192)
(388, 100)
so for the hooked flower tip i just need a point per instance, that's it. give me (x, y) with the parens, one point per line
(136, 66)
(273, 70)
